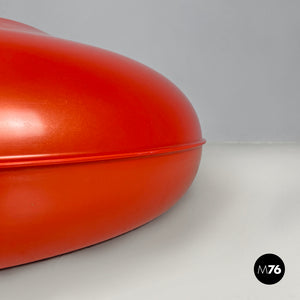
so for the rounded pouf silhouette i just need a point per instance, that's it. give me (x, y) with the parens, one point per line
(92, 145)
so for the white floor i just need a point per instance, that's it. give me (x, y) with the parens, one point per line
(244, 202)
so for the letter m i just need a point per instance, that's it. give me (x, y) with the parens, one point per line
(262, 270)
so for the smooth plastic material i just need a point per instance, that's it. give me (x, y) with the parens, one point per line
(92, 144)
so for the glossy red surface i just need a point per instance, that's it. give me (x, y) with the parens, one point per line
(92, 144)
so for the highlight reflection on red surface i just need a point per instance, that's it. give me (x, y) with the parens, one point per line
(20, 123)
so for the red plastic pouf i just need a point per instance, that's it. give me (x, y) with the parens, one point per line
(92, 144)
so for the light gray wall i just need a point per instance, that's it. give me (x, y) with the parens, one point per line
(237, 61)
